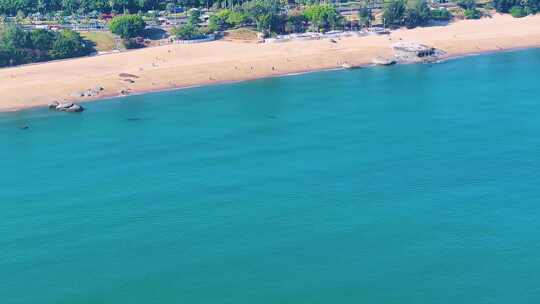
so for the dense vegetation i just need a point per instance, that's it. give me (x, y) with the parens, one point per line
(323, 17)
(127, 26)
(227, 18)
(12, 7)
(518, 11)
(518, 8)
(397, 13)
(365, 16)
(191, 29)
(269, 16)
(469, 9)
(263, 12)
(18, 46)
(441, 14)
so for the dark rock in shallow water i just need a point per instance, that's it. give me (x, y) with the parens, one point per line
(65, 107)
(24, 127)
(383, 61)
(74, 108)
(53, 105)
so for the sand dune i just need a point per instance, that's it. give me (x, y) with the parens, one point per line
(173, 66)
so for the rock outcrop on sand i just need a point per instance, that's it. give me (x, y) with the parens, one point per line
(124, 92)
(65, 107)
(127, 75)
(88, 93)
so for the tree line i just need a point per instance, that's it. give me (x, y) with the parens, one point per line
(18, 46)
(268, 16)
(518, 8)
(14, 7)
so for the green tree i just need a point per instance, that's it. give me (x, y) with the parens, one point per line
(441, 14)
(99, 5)
(394, 13)
(187, 31)
(18, 46)
(365, 16)
(20, 16)
(236, 18)
(264, 13)
(127, 26)
(10, 56)
(70, 6)
(145, 5)
(517, 7)
(13, 36)
(504, 6)
(170, 7)
(119, 5)
(5, 56)
(69, 44)
(323, 17)
(517, 11)
(417, 15)
(466, 4)
(218, 21)
(296, 23)
(472, 13)
(42, 39)
(194, 16)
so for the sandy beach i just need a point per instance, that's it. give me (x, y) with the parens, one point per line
(176, 66)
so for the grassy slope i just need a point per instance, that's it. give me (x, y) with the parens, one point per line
(104, 41)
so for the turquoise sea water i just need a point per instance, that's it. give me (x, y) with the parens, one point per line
(408, 184)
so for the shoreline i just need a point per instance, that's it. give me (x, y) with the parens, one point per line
(177, 66)
(170, 89)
